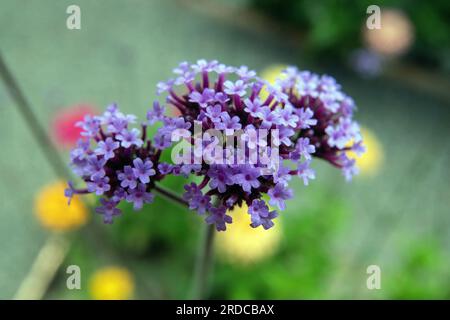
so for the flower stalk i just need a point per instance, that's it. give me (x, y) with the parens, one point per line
(30, 118)
(203, 265)
(171, 196)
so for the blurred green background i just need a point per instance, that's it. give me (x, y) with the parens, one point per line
(395, 216)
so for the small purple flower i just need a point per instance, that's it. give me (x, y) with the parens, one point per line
(117, 121)
(223, 69)
(139, 196)
(219, 217)
(287, 117)
(247, 178)
(250, 137)
(176, 170)
(258, 209)
(328, 84)
(235, 88)
(253, 107)
(157, 114)
(204, 66)
(207, 96)
(192, 190)
(349, 168)
(330, 101)
(182, 68)
(358, 148)
(347, 107)
(106, 148)
(110, 114)
(81, 152)
(200, 202)
(228, 123)
(221, 98)
(275, 92)
(231, 201)
(171, 124)
(308, 84)
(269, 118)
(80, 167)
(131, 118)
(215, 113)
(202, 116)
(143, 170)
(284, 136)
(305, 172)
(129, 138)
(266, 222)
(119, 195)
(165, 168)
(96, 166)
(117, 124)
(162, 140)
(108, 210)
(99, 185)
(336, 137)
(350, 129)
(303, 149)
(244, 73)
(185, 78)
(254, 138)
(282, 175)
(220, 177)
(187, 169)
(69, 192)
(111, 109)
(278, 194)
(164, 86)
(127, 178)
(305, 118)
(90, 126)
(200, 66)
(260, 215)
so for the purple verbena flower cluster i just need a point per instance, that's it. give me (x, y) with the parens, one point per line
(228, 99)
(116, 161)
(332, 133)
(280, 127)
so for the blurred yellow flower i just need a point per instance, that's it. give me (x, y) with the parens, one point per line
(111, 283)
(370, 162)
(244, 245)
(270, 74)
(53, 212)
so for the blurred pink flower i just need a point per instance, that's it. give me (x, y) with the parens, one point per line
(63, 130)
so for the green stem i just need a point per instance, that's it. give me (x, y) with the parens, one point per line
(205, 251)
(171, 196)
(30, 118)
(203, 264)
